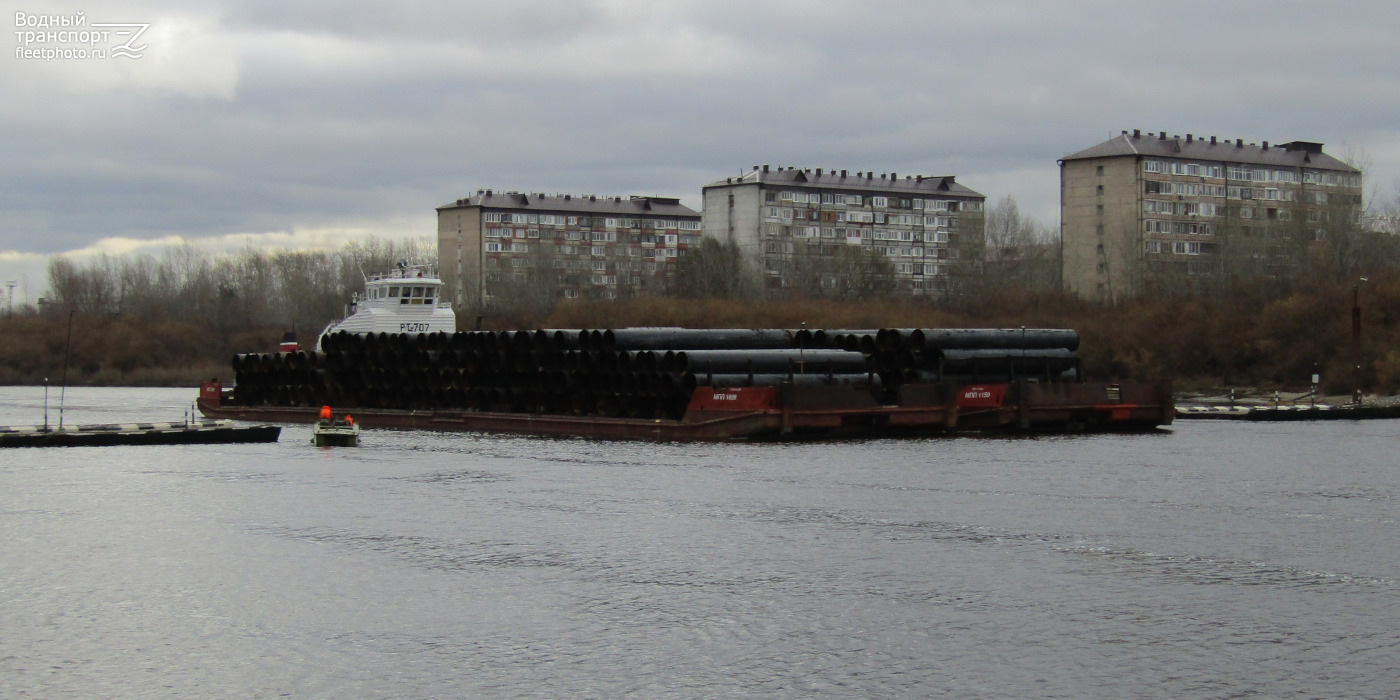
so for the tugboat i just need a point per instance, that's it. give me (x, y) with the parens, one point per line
(330, 431)
(407, 300)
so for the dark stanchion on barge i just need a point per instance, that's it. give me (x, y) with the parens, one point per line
(674, 384)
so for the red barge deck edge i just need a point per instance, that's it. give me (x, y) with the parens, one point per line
(787, 412)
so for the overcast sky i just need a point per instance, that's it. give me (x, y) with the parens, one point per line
(306, 124)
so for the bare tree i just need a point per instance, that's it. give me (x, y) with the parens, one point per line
(713, 269)
(837, 271)
(1007, 230)
(528, 289)
(1006, 251)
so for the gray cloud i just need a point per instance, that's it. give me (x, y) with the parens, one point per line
(249, 117)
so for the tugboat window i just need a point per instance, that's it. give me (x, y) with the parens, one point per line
(393, 291)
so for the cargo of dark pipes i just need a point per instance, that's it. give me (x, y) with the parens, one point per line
(694, 384)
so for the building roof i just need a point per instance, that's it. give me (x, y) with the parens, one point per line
(587, 204)
(839, 180)
(1294, 154)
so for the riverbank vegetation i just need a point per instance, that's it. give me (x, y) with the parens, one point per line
(178, 318)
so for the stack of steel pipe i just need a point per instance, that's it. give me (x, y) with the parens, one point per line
(973, 355)
(633, 372)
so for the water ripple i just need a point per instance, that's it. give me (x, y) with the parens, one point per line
(433, 553)
(1206, 571)
(457, 477)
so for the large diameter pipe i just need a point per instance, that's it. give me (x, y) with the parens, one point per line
(770, 361)
(835, 338)
(698, 339)
(1046, 362)
(993, 338)
(996, 353)
(562, 338)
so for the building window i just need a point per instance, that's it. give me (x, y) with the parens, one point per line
(1099, 190)
(1099, 171)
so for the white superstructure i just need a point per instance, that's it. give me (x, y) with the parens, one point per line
(406, 300)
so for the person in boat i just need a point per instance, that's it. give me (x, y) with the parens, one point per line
(325, 413)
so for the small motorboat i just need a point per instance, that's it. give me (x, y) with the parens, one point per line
(335, 432)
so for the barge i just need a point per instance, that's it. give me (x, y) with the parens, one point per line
(109, 434)
(775, 412)
(1289, 413)
(693, 384)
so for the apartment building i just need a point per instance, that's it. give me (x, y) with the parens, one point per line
(789, 221)
(504, 246)
(1142, 209)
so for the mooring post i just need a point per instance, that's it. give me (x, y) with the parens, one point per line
(63, 392)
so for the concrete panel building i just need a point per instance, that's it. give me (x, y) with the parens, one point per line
(497, 246)
(785, 219)
(1143, 209)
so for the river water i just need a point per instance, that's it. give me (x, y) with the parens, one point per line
(1211, 560)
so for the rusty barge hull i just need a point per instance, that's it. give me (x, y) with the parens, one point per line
(790, 412)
